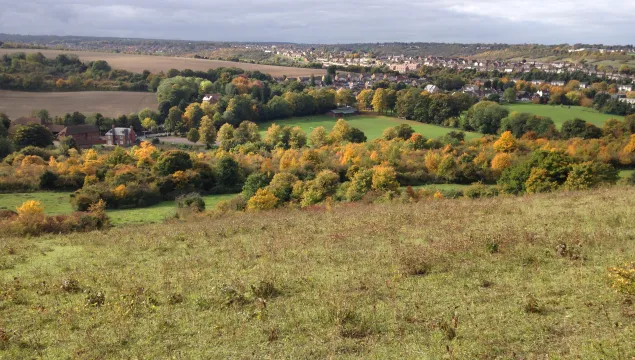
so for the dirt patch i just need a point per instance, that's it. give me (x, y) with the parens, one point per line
(108, 103)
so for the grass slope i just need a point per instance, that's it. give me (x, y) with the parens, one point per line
(343, 284)
(560, 114)
(59, 203)
(372, 125)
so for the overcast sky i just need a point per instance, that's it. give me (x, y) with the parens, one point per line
(329, 21)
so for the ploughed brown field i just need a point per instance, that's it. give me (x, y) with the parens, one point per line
(138, 63)
(108, 103)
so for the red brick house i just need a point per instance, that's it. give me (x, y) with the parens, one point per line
(54, 128)
(84, 135)
(121, 136)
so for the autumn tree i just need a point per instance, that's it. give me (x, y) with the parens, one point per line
(226, 137)
(365, 98)
(506, 142)
(318, 137)
(380, 101)
(263, 199)
(341, 132)
(207, 131)
(384, 178)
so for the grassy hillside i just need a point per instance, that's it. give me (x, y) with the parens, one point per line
(460, 279)
(560, 114)
(59, 203)
(373, 126)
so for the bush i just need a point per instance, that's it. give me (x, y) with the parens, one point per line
(173, 161)
(31, 222)
(237, 203)
(48, 179)
(191, 201)
(262, 200)
(6, 148)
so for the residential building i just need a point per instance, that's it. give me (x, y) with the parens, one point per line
(432, 89)
(53, 128)
(211, 98)
(85, 136)
(121, 136)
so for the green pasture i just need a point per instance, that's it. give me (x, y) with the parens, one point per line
(59, 203)
(372, 125)
(560, 114)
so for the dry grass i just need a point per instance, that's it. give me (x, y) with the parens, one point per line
(108, 103)
(356, 281)
(138, 63)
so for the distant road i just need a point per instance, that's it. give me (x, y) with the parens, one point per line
(138, 63)
(109, 103)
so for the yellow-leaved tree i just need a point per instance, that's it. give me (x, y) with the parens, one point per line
(501, 161)
(30, 207)
(384, 178)
(262, 200)
(506, 143)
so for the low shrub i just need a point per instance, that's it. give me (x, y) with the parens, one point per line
(191, 201)
(123, 196)
(237, 203)
(34, 223)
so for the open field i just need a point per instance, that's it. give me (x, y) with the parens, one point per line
(372, 125)
(455, 279)
(108, 103)
(138, 63)
(560, 114)
(59, 203)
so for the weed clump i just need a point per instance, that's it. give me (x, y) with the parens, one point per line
(532, 306)
(70, 286)
(352, 324)
(413, 260)
(96, 300)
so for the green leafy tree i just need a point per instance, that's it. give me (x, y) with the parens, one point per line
(173, 121)
(509, 95)
(253, 183)
(193, 135)
(32, 135)
(228, 176)
(173, 161)
(485, 117)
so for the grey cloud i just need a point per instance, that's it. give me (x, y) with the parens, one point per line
(327, 21)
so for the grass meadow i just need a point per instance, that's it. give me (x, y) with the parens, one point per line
(372, 125)
(497, 278)
(59, 203)
(560, 114)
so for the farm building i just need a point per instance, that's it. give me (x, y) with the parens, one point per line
(84, 135)
(121, 136)
(54, 128)
(211, 98)
(345, 111)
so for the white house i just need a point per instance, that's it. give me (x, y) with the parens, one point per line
(432, 89)
(625, 88)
